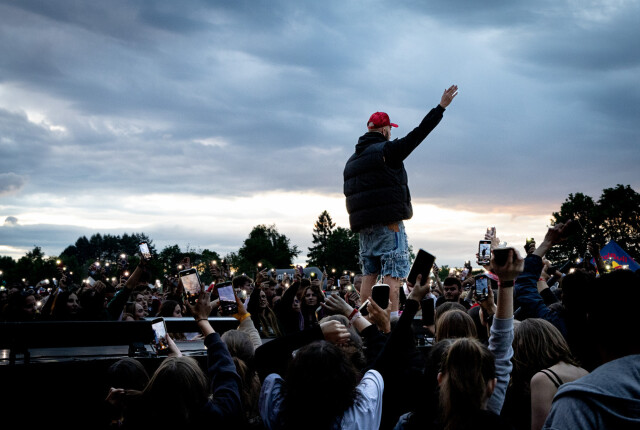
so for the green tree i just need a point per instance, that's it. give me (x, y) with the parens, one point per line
(33, 267)
(265, 245)
(322, 230)
(615, 216)
(342, 250)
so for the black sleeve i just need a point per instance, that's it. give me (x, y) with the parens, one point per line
(273, 356)
(287, 298)
(374, 341)
(401, 346)
(225, 404)
(395, 151)
(548, 296)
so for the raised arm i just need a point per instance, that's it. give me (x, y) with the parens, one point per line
(501, 333)
(399, 149)
(526, 288)
(225, 405)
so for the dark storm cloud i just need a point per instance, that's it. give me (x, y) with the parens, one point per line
(10, 183)
(238, 97)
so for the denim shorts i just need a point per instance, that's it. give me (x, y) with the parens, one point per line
(384, 251)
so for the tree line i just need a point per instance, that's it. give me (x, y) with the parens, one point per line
(614, 216)
(264, 246)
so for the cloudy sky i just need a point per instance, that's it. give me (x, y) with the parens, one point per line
(194, 121)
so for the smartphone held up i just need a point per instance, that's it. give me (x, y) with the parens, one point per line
(227, 295)
(191, 283)
(380, 295)
(160, 341)
(484, 252)
(145, 252)
(421, 266)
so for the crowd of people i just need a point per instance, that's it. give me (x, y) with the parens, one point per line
(537, 349)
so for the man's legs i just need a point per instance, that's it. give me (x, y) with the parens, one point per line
(384, 250)
(368, 281)
(394, 292)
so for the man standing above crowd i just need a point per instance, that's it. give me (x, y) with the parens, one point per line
(378, 199)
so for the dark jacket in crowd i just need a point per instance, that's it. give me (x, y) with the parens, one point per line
(375, 181)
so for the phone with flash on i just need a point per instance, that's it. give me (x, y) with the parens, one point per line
(190, 282)
(160, 342)
(145, 251)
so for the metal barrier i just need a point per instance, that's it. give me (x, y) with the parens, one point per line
(21, 337)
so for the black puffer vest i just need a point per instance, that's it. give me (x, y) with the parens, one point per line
(376, 193)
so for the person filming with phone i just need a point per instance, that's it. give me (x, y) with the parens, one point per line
(378, 199)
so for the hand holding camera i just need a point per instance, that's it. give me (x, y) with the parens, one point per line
(530, 245)
(380, 317)
(509, 268)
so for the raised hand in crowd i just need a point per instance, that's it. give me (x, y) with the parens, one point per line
(436, 274)
(380, 317)
(201, 311)
(420, 289)
(554, 235)
(530, 246)
(262, 276)
(509, 271)
(335, 332)
(488, 308)
(594, 250)
(335, 304)
(174, 351)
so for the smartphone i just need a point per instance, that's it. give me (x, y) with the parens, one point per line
(228, 304)
(363, 308)
(160, 342)
(421, 266)
(484, 252)
(144, 251)
(500, 255)
(122, 262)
(482, 287)
(91, 281)
(190, 281)
(428, 311)
(380, 295)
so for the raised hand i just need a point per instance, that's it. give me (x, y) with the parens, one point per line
(448, 95)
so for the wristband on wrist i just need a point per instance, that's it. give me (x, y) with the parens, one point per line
(353, 312)
(202, 319)
(505, 284)
(354, 316)
(242, 317)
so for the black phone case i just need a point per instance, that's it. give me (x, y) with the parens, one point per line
(428, 311)
(421, 266)
(380, 295)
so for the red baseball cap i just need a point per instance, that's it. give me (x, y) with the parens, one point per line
(379, 120)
